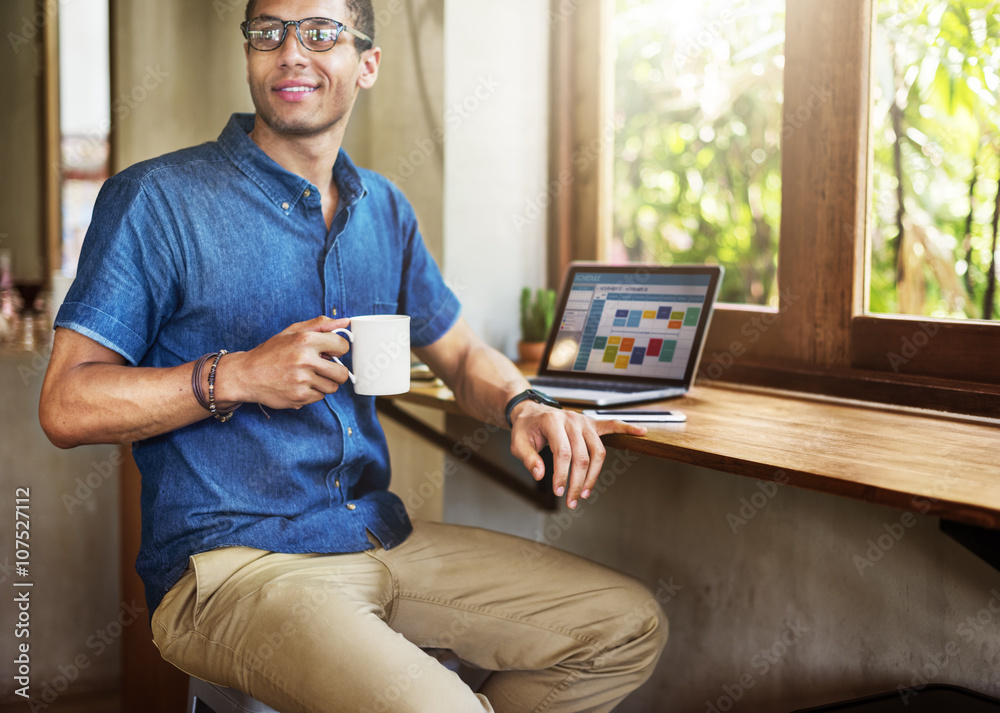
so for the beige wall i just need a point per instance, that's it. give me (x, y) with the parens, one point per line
(21, 123)
(179, 72)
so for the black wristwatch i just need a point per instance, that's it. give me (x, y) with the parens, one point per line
(529, 395)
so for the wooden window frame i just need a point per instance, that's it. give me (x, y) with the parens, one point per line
(820, 338)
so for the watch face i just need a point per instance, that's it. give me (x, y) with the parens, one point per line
(544, 398)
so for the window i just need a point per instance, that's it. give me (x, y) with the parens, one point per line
(697, 156)
(821, 338)
(936, 130)
(84, 119)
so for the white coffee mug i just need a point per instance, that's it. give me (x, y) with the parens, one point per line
(380, 353)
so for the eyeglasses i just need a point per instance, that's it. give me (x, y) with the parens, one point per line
(316, 34)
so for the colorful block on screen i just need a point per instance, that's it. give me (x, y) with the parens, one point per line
(691, 318)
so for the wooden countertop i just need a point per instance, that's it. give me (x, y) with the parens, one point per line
(927, 462)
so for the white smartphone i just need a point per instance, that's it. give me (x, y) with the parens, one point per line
(636, 415)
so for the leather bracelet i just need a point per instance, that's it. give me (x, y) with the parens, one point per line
(222, 417)
(199, 393)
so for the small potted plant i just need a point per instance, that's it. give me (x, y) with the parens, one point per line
(538, 309)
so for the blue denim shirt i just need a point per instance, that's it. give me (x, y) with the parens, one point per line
(218, 247)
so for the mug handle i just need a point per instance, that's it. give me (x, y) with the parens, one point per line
(350, 338)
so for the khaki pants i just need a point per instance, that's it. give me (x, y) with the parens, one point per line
(332, 633)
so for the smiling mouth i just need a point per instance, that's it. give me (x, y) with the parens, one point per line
(298, 89)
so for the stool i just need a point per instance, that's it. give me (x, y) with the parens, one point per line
(204, 697)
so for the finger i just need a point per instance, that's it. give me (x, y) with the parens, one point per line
(328, 324)
(629, 429)
(580, 462)
(329, 376)
(316, 324)
(562, 457)
(525, 450)
(598, 453)
(332, 345)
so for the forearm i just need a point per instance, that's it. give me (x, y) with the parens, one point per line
(110, 403)
(90, 395)
(485, 383)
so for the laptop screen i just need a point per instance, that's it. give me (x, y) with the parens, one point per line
(640, 323)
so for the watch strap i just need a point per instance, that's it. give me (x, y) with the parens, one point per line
(528, 395)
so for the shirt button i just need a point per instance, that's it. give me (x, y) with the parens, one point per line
(350, 431)
(333, 311)
(351, 506)
(285, 206)
(336, 483)
(307, 193)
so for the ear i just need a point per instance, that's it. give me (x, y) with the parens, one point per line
(246, 51)
(369, 67)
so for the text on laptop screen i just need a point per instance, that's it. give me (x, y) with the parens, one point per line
(628, 324)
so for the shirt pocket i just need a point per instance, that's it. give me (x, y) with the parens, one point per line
(385, 308)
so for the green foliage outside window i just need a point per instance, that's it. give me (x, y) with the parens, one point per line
(698, 150)
(936, 132)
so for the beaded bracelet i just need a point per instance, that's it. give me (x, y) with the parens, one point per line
(223, 417)
(199, 393)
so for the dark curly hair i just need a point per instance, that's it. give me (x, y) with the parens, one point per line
(362, 17)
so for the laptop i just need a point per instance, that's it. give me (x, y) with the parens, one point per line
(627, 333)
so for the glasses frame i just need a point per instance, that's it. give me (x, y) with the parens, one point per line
(341, 27)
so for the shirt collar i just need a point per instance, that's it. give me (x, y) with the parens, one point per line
(281, 186)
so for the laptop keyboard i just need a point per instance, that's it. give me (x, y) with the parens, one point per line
(598, 384)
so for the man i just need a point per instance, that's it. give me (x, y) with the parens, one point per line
(274, 557)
